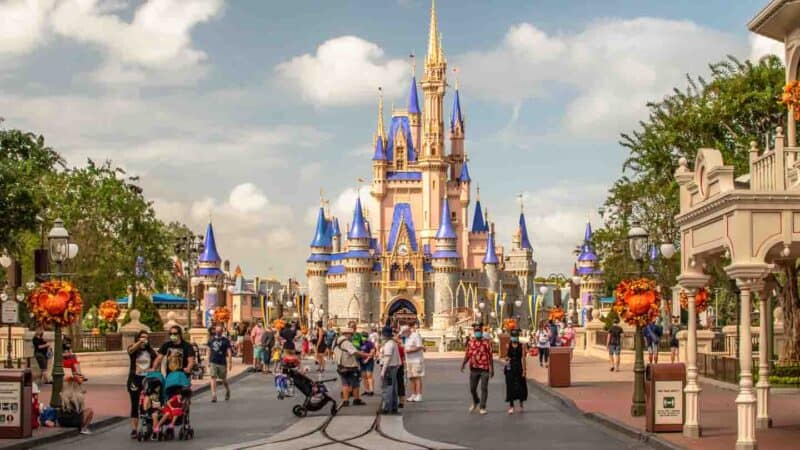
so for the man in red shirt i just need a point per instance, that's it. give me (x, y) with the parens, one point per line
(481, 367)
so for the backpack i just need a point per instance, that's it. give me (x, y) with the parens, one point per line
(345, 362)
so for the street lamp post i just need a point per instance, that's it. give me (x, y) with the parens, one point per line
(60, 251)
(638, 246)
(190, 246)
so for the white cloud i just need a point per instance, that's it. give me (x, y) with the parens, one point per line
(606, 72)
(761, 46)
(310, 172)
(154, 47)
(280, 238)
(22, 25)
(247, 198)
(346, 70)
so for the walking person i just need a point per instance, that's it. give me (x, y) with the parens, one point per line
(141, 356)
(390, 364)
(652, 336)
(220, 357)
(41, 351)
(674, 328)
(401, 371)
(481, 368)
(268, 343)
(367, 364)
(321, 346)
(614, 344)
(568, 339)
(543, 343)
(515, 372)
(415, 363)
(255, 336)
(347, 366)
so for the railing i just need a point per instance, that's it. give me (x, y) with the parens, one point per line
(763, 176)
(720, 367)
(17, 347)
(98, 343)
(600, 337)
(629, 342)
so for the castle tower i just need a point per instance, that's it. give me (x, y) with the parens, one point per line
(414, 119)
(379, 158)
(358, 264)
(319, 262)
(591, 275)
(445, 261)
(491, 266)
(336, 236)
(211, 276)
(521, 264)
(457, 155)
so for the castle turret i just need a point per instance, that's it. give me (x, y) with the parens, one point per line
(491, 264)
(521, 265)
(211, 276)
(590, 273)
(457, 156)
(414, 119)
(446, 267)
(358, 264)
(379, 158)
(319, 262)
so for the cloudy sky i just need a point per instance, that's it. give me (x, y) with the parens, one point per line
(244, 110)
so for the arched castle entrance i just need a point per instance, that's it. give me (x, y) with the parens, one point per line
(401, 311)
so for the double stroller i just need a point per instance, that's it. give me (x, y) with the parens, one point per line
(291, 377)
(156, 392)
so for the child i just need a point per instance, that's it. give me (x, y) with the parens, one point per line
(174, 408)
(151, 401)
(70, 361)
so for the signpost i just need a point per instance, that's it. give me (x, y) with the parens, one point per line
(15, 403)
(665, 411)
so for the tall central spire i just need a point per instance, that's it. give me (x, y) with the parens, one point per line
(434, 39)
(381, 128)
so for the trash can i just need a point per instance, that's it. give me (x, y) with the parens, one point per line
(559, 371)
(15, 403)
(504, 339)
(664, 397)
(247, 351)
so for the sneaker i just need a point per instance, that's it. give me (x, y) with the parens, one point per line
(358, 402)
(411, 398)
(418, 398)
(483, 412)
(213, 399)
(511, 411)
(227, 395)
(473, 407)
(612, 369)
(85, 431)
(134, 434)
(345, 403)
(401, 405)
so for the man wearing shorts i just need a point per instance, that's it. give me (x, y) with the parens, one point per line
(415, 362)
(347, 367)
(255, 337)
(614, 344)
(652, 337)
(220, 358)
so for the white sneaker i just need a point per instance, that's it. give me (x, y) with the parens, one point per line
(483, 412)
(411, 398)
(86, 431)
(473, 407)
(418, 398)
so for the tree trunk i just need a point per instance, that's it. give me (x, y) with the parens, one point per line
(791, 312)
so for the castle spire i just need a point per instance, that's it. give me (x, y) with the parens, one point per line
(491, 254)
(380, 136)
(358, 229)
(210, 251)
(322, 237)
(446, 225)
(434, 56)
(381, 128)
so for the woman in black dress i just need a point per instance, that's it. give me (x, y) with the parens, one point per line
(515, 371)
(142, 356)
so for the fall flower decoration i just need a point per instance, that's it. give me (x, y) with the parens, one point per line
(637, 301)
(509, 324)
(222, 315)
(108, 311)
(55, 302)
(791, 97)
(701, 299)
(278, 324)
(556, 314)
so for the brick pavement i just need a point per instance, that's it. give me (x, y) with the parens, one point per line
(596, 389)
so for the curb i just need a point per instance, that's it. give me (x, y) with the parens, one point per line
(642, 436)
(102, 424)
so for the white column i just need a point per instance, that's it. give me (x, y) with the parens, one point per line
(745, 401)
(763, 420)
(691, 427)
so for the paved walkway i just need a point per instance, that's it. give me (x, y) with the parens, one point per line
(254, 418)
(595, 389)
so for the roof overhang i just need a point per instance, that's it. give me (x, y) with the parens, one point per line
(777, 19)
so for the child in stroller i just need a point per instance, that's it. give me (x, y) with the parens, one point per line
(199, 368)
(315, 392)
(283, 382)
(177, 407)
(150, 401)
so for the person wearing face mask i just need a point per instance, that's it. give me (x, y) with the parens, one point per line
(481, 368)
(180, 360)
(141, 355)
(515, 371)
(220, 358)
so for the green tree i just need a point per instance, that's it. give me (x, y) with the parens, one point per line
(150, 316)
(736, 105)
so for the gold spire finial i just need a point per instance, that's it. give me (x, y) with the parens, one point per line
(433, 38)
(521, 203)
(478, 198)
(380, 114)
(413, 64)
(455, 75)
(321, 197)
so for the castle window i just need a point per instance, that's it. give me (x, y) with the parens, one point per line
(453, 217)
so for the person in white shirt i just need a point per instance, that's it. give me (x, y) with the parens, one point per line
(415, 366)
(390, 363)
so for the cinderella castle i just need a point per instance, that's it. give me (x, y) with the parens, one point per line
(419, 257)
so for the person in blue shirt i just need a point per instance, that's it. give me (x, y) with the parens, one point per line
(652, 337)
(220, 359)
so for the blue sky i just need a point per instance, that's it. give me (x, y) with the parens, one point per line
(246, 109)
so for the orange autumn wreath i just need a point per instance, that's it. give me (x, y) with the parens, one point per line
(509, 324)
(222, 315)
(701, 300)
(637, 301)
(278, 324)
(109, 310)
(56, 302)
(791, 97)
(556, 314)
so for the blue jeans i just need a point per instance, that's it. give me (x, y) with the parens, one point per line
(389, 390)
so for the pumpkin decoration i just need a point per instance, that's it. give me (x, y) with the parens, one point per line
(278, 324)
(109, 311)
(509, 324)
(222, 315)
(55, 302)
(791, 97)
(637, 302)
(701, 300)
(556, 314)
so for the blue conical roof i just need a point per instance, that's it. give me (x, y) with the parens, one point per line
(322, 235)
(413, 103)
(446, 225)
(523, 231)
(653, 252)
(464, 177)
(587, 251)
(380, 153)
(358, 229)
(587, 235)
(210, 251)
(491, 255)
(478, 226)
(456, 116)
(336, 231)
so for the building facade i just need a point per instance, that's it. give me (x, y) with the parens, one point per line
(418, 257)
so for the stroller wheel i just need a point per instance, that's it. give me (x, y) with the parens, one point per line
(280, 396)
(334, 409)
(139, 436)
(189, 434)
(299, 411)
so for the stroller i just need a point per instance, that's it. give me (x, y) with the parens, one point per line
(284, 384)
(174, 383)
(315, 392)
(152, 387)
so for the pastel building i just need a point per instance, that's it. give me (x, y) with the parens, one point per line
(592, 284)
(418, 256)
